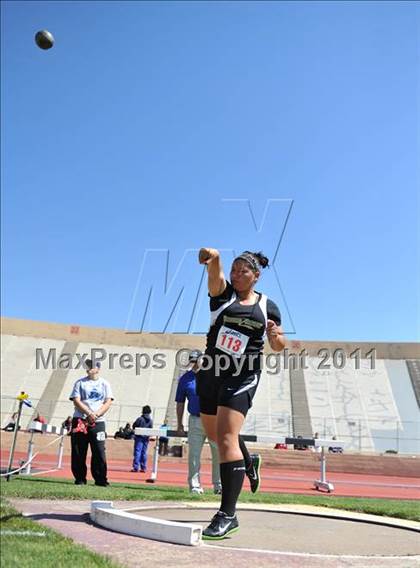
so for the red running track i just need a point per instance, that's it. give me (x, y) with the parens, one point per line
(273, 480)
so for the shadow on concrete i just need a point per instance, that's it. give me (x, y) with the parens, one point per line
(69, 517)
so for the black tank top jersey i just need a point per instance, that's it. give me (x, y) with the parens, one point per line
(240, 324)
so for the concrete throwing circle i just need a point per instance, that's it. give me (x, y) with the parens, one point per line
(299, 532)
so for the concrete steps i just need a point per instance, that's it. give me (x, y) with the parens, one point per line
(413, 368)
(301, 417)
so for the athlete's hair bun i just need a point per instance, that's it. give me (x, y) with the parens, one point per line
(262, 259)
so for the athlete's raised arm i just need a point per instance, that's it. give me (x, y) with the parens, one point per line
(216, 278)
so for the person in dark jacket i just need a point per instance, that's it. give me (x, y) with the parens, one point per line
(141, 442)
(119, 433)
(128, 432)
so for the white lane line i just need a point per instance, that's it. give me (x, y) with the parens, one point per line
(21, 533)
(310, 554)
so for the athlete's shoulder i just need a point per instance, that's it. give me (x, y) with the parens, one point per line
(273, 311)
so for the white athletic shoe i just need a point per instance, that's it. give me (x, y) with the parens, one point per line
(197, 491)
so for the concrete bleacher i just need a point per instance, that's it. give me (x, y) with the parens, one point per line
(365, 407)
(381, 411)
(351, 403)
(358, 406)
(19, 372)
(408, 433)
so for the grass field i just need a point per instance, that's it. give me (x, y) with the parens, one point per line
(49, 488)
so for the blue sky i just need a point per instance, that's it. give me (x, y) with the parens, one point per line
(155, 126)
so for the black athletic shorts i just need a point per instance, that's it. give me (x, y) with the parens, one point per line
(234, 392)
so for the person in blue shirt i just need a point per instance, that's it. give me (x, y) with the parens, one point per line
(196, 436)
(141, 442)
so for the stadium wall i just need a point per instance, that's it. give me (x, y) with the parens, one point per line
(360, 392)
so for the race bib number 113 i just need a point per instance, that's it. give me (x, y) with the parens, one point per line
(231, 341)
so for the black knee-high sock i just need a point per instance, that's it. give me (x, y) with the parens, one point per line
(245, 453)
(232, 477)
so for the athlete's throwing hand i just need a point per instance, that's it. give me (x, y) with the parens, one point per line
(206, 255)
(273, 330)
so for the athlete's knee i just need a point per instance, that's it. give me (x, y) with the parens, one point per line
(227, 441)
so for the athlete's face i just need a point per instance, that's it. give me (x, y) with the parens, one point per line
(242, 276)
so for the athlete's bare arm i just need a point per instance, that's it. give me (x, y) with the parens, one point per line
(216, 278)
